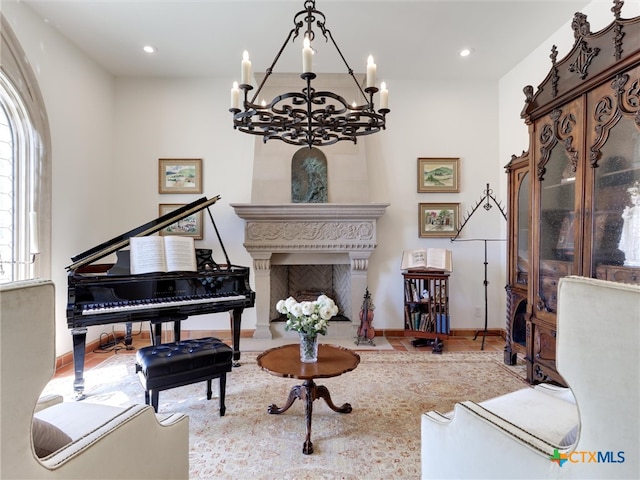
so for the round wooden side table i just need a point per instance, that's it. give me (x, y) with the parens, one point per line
(285, 362)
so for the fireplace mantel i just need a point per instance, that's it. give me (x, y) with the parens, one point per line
(302, 211)
(308, 234)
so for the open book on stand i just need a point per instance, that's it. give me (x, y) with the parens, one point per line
(429, 259)
(162, 254)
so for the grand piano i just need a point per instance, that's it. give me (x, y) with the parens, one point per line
(101, 294)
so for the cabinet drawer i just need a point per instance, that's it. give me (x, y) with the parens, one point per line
(618, 274)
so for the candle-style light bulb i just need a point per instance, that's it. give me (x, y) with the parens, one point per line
(384, 95)
(307, 56)
(245, 78)
(371, 72)
(235, 95)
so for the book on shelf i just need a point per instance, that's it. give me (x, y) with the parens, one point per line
(162, 254)
(442, 323)
(427, 259)
(407, 318)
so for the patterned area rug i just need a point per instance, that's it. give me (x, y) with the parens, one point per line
(380, 439)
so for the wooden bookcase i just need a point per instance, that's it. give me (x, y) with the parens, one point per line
(426, 304)
(568, 192)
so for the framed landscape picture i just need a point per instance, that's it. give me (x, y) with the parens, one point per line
(189, 226)
(438, 219)
(438, 174)
(176, 175)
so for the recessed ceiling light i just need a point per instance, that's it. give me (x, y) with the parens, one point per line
(465, 52)
(149, 49)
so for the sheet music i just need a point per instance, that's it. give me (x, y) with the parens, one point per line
(162, 254)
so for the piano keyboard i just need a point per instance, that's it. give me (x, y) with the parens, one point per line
(129, 306)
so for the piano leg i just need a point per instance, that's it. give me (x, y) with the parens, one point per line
(176, 330)
(156, 329)
(236, 320)
(79, 346)
(128, 338)
(156, 332)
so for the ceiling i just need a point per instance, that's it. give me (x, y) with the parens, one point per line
(408, 39)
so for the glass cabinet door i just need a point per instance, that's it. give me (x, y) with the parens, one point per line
(557, 226)
(612, 231)
(615, 224)
(522, 230)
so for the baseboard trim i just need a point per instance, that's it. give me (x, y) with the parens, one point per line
(167, 336)
(469, 332)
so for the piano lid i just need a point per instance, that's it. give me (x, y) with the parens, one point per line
(121, 241)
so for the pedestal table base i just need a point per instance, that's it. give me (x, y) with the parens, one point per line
(308, 392)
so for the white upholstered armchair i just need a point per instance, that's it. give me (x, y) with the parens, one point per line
(594, 425)
(70, 439)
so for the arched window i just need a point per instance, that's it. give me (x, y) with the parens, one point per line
(7, 228)
(25, 190)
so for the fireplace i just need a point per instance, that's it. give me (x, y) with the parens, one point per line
(310, 248)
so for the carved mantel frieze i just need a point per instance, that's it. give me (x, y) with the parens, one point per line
(309, 231)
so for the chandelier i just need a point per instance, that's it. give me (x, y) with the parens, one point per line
(309, 117)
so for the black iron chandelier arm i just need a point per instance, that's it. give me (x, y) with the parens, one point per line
(350, 70)
(273, 64)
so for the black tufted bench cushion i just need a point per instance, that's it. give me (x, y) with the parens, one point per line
(176, 364)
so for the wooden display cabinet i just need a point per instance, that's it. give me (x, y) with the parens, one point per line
(426, 304)
(581, 167)
(518, 211)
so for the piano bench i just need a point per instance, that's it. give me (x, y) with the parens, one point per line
(177, 364)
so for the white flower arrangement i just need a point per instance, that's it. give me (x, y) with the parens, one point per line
(309, 318)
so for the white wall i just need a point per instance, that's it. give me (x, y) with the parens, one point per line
(79, 98)
(437, 119)
(107, 136)
(183, 118)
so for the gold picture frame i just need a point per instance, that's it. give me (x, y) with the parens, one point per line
(438, 175)
(438, 219)
(189, 226)
(180, 175)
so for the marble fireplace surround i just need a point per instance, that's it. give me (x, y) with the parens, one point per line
(309, 234)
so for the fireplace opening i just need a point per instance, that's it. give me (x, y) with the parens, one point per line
(307, 282)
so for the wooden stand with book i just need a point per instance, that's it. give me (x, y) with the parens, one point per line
(426, 307)
(429, 259)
